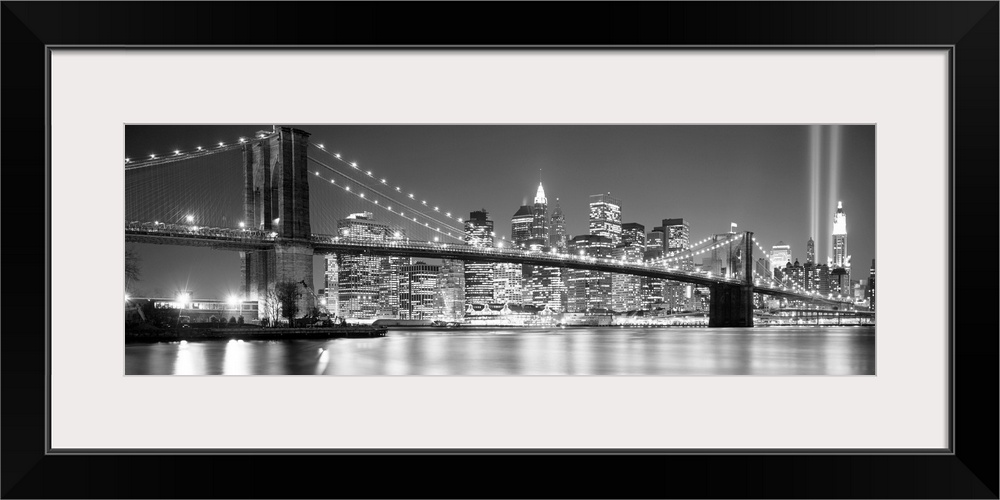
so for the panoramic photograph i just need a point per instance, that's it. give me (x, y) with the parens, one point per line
(500, 250)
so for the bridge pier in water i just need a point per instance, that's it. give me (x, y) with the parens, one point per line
(276, 199)
(731, 304)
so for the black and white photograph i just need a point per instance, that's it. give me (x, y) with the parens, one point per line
(500, 249)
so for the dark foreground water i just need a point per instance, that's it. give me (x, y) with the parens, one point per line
(556, 351)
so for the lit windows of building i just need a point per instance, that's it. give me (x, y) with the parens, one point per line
(557, 228)
(634, 234)
(676, 235)
(781, 255)
(479, 275)
(417, 290)
(606, 217)
(520, 226)
(870, 291)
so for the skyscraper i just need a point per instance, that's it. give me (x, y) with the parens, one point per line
(654, 244)
(634, 234)
(841, 259)
(479, 275)
(676, 235)
(606, 217)
(840, 237)
(781, 254)
(546, 287)
(587, 290)
(520, 226)
(359, 277)
(540, 217)
(810, 251)
(479, 229)
(626, 289)
(870, 293)
(449, 299)
(557, 228)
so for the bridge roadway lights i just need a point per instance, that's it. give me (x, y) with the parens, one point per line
(731, 306)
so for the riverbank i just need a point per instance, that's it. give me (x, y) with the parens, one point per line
(252, 333)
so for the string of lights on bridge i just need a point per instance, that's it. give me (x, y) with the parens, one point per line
(694, 250)
(185, 154)
(360, 194)
(384, 181)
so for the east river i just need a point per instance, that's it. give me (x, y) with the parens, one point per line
(551, 351)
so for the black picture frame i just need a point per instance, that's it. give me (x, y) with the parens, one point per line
(968, 469)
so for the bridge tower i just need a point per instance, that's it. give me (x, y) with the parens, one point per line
(732, 304)
(276, 199)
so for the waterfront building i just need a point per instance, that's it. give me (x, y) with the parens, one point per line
(557, 228)
(626, 289)
(781, 255)
(479, 275)
(588, 290)
(449, 300)
(359, 278)
(508, 283)
(545, 287)
(870, 292)
(677, 238)
(417, 290)
(606, 217)
(520, 226)
(388, 300)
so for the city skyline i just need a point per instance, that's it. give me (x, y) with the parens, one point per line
(570, 180)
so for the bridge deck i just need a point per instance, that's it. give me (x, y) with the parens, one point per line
(248, 240)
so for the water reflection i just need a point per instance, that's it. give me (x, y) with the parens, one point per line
(593, 351)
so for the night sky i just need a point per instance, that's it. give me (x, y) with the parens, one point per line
(781, 182)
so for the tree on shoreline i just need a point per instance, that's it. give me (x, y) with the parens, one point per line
(288, 295)
(132, 271)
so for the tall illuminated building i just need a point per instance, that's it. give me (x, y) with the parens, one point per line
(781, 255)
(676, 235)
(520, 226)
(388, 299)
(626, 289)
(545, 286)
(588, 290)
(870, 292)
(654, 243)
(557, 228)
(479, 275)
(359, 278)
(810, 251)
(449, 298)
(840, 256)
(540, 217)
(606, 217)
